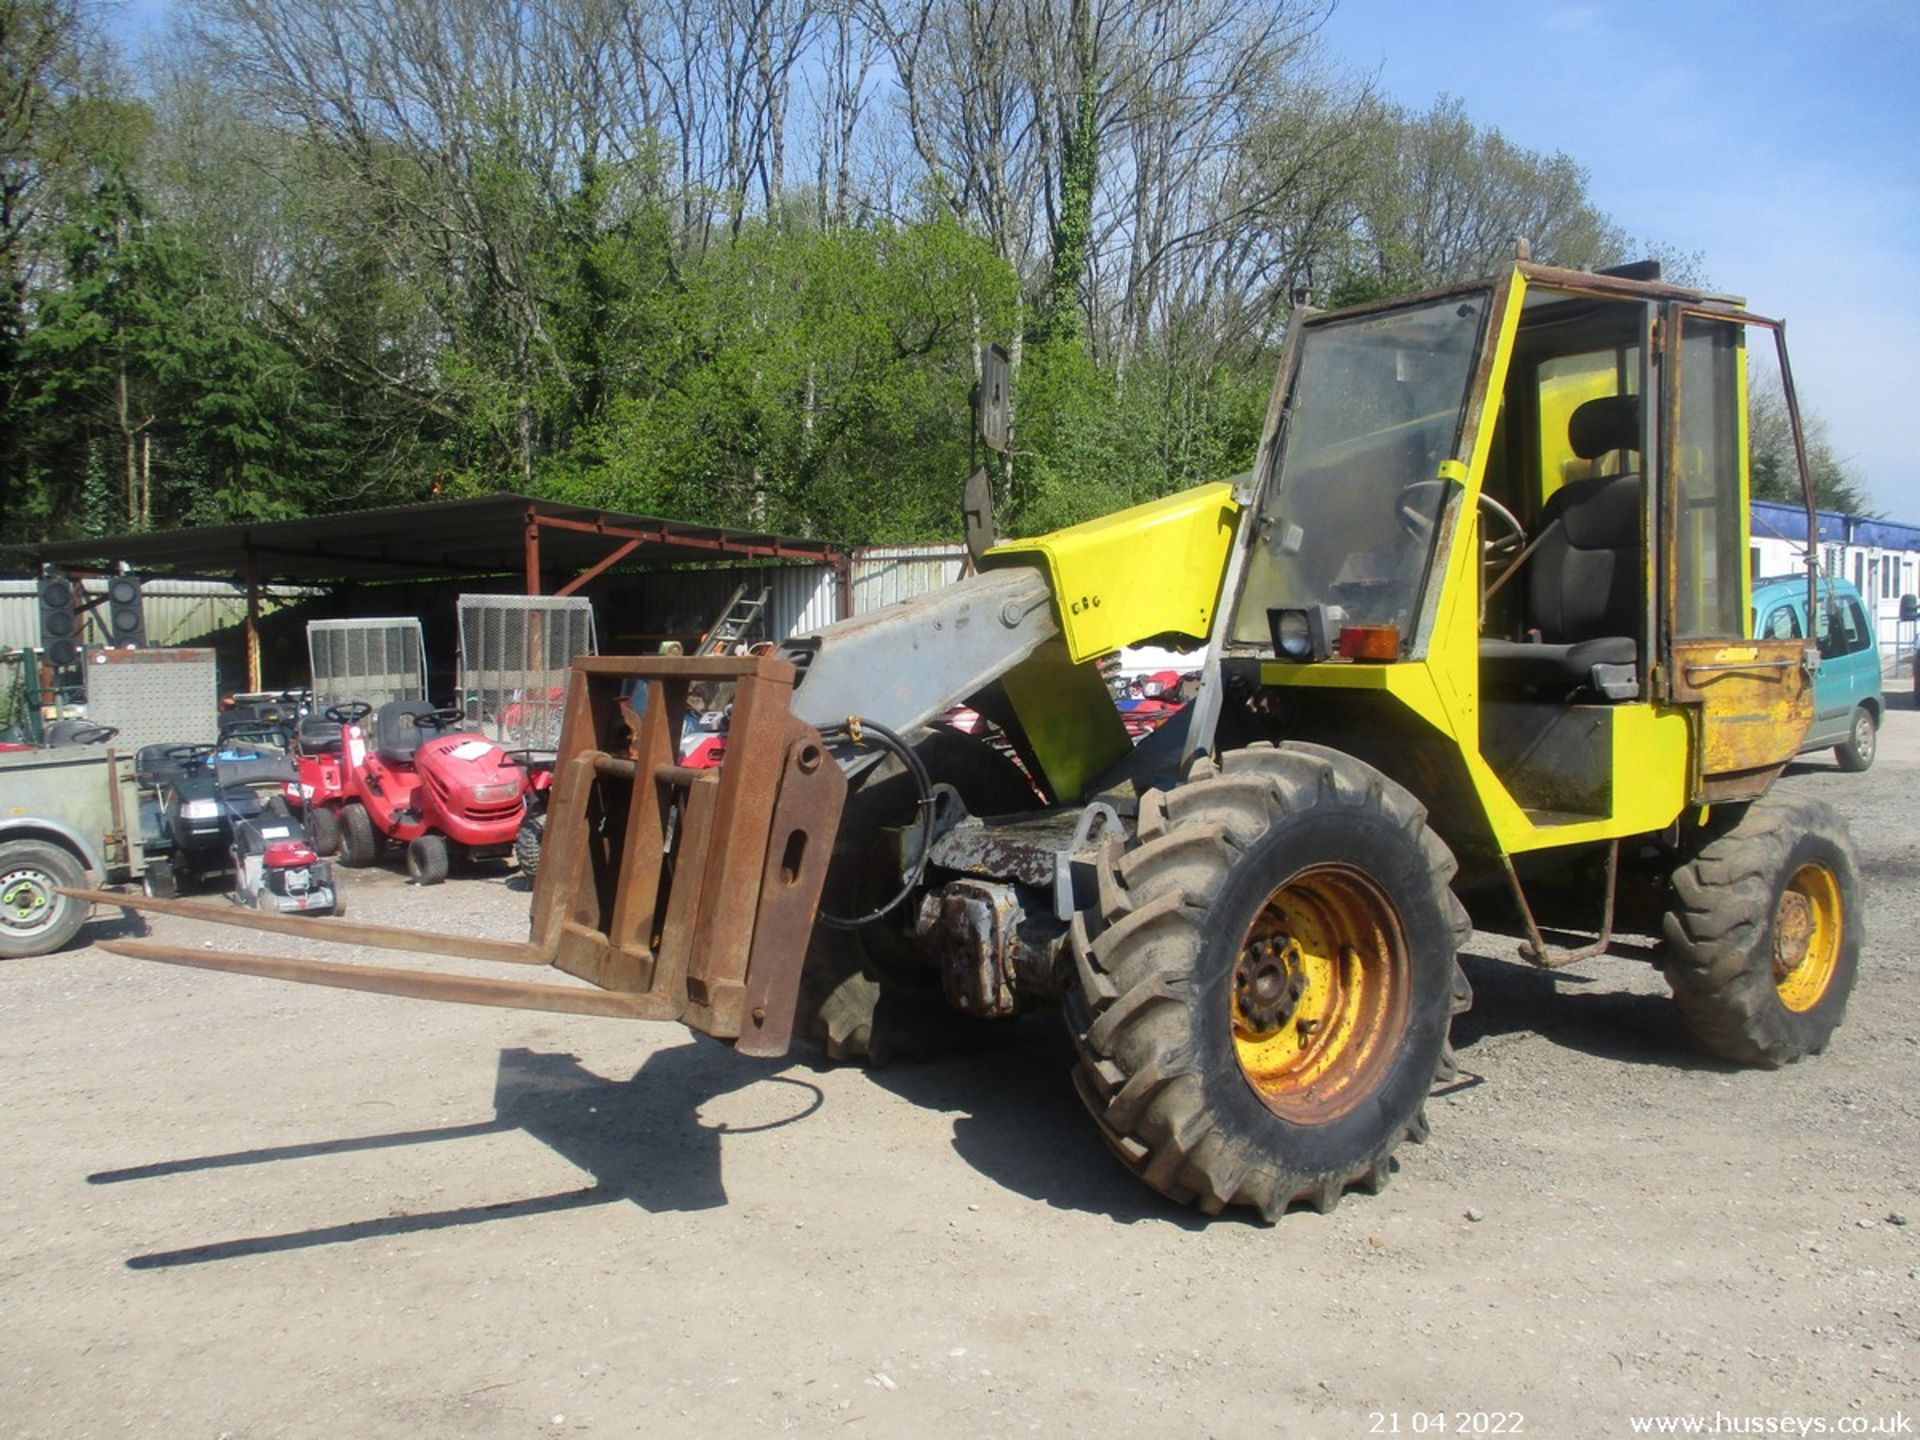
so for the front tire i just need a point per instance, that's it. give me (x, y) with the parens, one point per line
(428, 860)
(1764, 936)
(1262, 997)
(34, 920)
(1855, 753)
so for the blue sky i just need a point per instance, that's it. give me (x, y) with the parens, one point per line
(1779, 138)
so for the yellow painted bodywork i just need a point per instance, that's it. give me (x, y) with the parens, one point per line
(1652, 744)
(1069, 718)
(1152, 569)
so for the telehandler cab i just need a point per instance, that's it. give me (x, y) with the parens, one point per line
(1476, 641)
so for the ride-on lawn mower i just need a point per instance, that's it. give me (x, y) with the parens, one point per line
(203, 819)
(417, 780)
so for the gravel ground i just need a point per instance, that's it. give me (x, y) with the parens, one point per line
(240, 1208)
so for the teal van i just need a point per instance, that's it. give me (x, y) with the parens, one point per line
(1847, 705)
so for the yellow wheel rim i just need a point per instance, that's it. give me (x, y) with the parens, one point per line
(1319, 994)
(1806, 937)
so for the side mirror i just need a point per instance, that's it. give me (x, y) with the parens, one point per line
(993, 402)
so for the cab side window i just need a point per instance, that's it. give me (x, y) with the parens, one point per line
(1781, 624)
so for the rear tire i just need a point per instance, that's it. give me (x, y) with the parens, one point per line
(1855, 753)
(527, 842)
(428, 860)
(1765, 932)
(33, 919)
(1261, 999)
(359, 843)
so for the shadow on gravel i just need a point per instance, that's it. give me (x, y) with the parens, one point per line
(1611, 1025)
(640, 1139)
(1018, 1122)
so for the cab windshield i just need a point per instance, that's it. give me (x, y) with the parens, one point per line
(1348, 522)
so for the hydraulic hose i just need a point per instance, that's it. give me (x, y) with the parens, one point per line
(855, 731)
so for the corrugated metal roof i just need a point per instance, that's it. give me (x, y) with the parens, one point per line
(484, 535)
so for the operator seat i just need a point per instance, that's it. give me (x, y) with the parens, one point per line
(319, 735)
(398, 731)
(1585, 572)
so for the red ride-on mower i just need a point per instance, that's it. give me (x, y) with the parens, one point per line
(411, 777)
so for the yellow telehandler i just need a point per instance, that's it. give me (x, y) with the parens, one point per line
(1474, 641)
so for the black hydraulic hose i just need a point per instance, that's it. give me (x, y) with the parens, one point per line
(857, 730)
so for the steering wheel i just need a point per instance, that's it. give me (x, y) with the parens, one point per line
(351, 713)
(1414, 503)
(187, 754)
(445, 718)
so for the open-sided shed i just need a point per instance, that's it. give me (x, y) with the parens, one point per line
(552, 548)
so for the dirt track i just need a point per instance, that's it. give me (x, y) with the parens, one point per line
(241, 1208)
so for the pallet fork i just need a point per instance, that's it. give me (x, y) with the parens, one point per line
(678, 893)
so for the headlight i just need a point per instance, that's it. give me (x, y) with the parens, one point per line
(1299, 633)
(496, 794)
(1292, 638)
(200, 810)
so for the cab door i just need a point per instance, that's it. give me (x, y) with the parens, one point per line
(1751, 699)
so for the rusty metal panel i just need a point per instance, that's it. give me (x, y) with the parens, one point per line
(799, 849)
(1755, 698)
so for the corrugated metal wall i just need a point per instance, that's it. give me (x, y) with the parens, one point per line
(177, 611)
(687, 602)
(887, 574)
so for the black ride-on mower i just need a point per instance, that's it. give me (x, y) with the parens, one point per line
(203, 821)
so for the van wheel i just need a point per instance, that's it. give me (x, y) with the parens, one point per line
(1855, 753)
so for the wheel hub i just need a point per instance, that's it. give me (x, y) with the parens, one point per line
(24, 899)
(1792, 934)
(1268, 983)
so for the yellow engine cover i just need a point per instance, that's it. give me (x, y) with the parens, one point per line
(1153, 569)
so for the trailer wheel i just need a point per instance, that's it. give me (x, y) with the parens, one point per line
(867, 994)
(323, 829)
(359, 844)
(33, 919)
(1763, 941)
(427, 860)
(1261, 1000)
